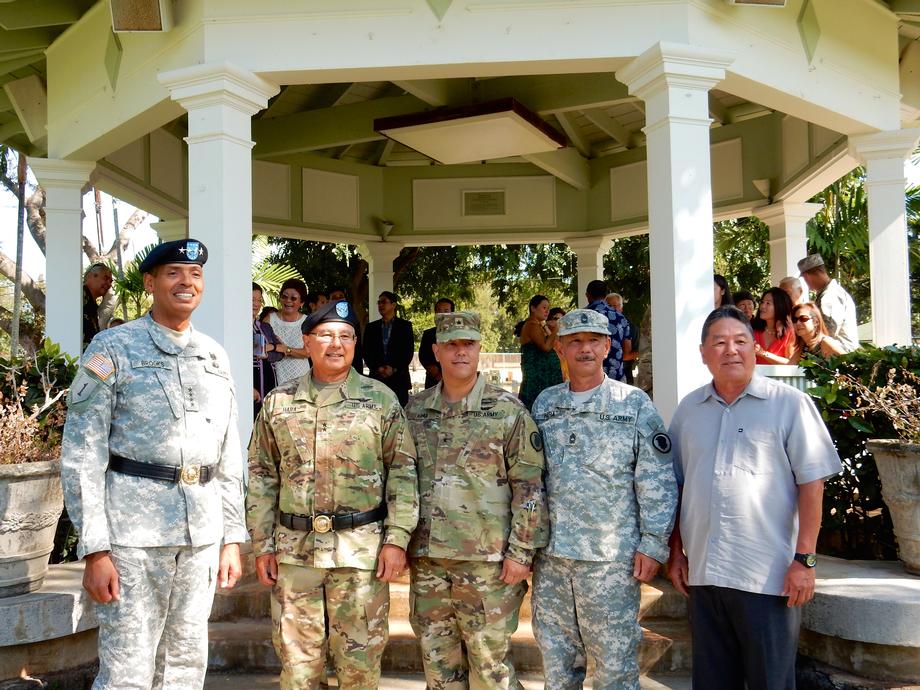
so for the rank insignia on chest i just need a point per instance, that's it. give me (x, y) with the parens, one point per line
(571, 438)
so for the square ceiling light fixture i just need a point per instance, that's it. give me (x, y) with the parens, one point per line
(484, 131)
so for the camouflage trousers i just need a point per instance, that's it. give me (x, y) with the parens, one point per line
(463, 605)
(156, 634)
(357, 604)
(584, 606)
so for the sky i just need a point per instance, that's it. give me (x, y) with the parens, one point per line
(34, 260)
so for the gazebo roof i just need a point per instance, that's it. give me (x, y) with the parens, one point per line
(594, 111)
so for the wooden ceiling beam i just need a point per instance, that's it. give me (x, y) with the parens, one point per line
(609, 126)
(38, 14)
(567, 122)
(328, 127)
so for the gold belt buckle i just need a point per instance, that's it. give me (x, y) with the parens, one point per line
(191, 474)
(322, 523)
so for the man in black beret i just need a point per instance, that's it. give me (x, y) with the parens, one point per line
(152, 475)
(332, 500)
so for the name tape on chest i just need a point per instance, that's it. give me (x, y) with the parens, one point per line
(151, 364)
(357, 405)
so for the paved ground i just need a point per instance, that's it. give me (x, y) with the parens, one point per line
(223, 681)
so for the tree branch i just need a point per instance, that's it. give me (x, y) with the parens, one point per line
(35, 217)
(30, 289)
(27, 337)
(127, 231)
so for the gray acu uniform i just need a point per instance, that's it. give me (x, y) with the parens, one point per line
(139, 395)
(611, 492)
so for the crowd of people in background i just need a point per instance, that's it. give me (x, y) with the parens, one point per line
(786, 328)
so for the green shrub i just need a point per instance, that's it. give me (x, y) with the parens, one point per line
(856, 523)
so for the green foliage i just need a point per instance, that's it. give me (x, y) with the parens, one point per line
(742, 254)
(268, 274)
(38, 379)
(856, 523)
(129, 288)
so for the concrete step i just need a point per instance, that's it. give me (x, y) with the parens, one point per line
(246, 644)
(413, 681)
(249, 599)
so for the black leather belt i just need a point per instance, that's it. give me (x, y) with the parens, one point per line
(327, 522)
(190, 474)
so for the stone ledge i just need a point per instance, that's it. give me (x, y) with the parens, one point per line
(60, 608)
(875, 602)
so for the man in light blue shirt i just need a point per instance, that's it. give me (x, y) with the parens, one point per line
(751, 456)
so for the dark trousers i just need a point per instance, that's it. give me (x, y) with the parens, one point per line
(741, 637)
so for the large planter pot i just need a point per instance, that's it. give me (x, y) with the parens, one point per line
(31, 501)
(899, 469)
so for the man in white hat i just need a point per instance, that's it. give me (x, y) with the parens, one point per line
(835, 303)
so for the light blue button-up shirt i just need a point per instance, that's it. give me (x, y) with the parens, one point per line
(739, 466)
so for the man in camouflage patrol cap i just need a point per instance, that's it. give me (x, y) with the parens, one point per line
(612, 497)
(483, 515)
(333, 498)
(152, 475)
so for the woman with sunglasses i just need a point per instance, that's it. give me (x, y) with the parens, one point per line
(811, 336)
(288, 327)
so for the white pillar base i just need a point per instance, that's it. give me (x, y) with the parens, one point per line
(788, 241)
(884, 154)
(589, 252)
(63, 182)
(674, 81)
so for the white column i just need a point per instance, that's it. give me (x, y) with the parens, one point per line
(380, 257)
(589, 253)
(221, 100)
(171, 230)
(63, 182)
(674, 81)
(788, 241)
(884, 154)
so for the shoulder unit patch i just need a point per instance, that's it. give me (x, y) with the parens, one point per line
(662, 442)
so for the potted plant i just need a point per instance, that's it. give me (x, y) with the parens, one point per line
(31, 500)
(892, 391)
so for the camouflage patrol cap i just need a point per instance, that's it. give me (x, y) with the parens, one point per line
(457, 325)
(584, 321)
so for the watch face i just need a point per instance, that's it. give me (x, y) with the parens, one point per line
(811, 560)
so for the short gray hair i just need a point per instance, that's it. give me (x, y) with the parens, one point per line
(95, 269)
(726, 312)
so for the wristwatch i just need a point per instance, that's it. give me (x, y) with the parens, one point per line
(809, 560)
(288, 350)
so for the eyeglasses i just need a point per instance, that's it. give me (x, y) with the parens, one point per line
(326, 337)
(802, 319)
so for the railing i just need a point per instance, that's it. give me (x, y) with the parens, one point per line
(787, 373)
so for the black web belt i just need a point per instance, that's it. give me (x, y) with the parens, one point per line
(190, 474)
(328, 522)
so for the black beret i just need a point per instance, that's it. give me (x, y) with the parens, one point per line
(178, 252)
(340, 311)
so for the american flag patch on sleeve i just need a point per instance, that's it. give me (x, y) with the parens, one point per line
(100, 366)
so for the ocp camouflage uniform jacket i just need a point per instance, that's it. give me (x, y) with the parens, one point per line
(480, 477)
(344, 452)
(139, 395)
(610, 482)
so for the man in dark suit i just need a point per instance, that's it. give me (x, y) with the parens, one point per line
(425, 352)
(389, 346)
